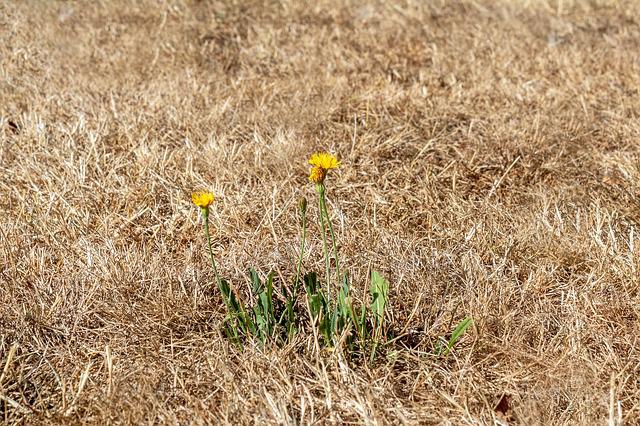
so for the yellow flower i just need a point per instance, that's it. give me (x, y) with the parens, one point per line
(317, 174)
(321, 162)
(324, 160)
(202, 199)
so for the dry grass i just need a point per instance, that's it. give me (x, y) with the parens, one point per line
(491, 169)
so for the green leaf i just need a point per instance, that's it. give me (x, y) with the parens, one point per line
(256, 284)
(457, 333)
(311, 282)
(379, 295)
(263, 313)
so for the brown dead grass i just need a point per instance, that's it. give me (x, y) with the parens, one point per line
(490, 169)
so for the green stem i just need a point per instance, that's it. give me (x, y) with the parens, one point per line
(299, 268)
(234, 307)
(291, 302)
(325, 249)
(323, 204)
(205, 216)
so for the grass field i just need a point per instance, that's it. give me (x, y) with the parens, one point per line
(490, 169)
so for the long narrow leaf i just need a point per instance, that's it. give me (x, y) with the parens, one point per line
(379, 293)
(457, 333)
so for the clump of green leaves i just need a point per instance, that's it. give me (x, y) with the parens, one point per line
(359, 327)
(262, 320)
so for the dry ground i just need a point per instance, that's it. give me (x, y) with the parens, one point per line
(491, 169)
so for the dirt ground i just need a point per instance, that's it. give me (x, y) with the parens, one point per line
(490, 168)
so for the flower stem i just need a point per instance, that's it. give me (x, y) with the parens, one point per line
(205, 216)
(325, 248)
(303, 214)
(291, 301)
(333, 235)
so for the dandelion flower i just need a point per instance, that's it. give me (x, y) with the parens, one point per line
(321, 162)
(202, 199)
(324, 160)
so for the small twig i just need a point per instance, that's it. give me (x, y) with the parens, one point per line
(497, 184)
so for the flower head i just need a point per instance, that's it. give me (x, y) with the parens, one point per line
(202, 199)
(321, 162)
(324, 160)
(317, 174)
(302, 205)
